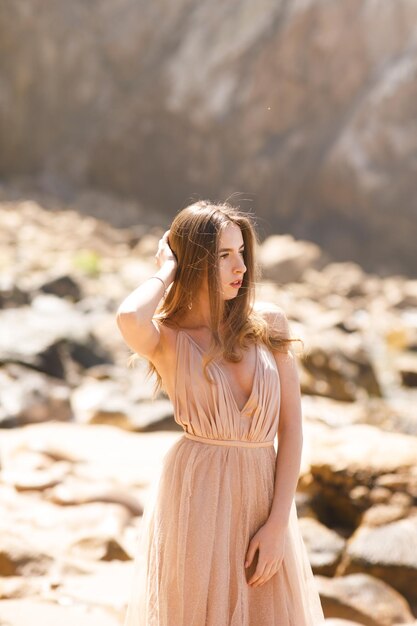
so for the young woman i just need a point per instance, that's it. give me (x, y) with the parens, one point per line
(220, 543)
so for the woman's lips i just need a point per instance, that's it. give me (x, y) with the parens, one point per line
(236, 284)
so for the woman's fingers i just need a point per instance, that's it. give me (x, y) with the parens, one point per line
(263, 575)
(260, 568)
(268, 572)
(253, 546)
(164, 252)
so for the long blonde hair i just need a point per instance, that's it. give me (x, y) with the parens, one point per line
(194, 238)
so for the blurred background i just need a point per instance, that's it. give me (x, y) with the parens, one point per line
(114, 116)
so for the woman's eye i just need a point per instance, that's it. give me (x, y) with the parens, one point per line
(223, 256)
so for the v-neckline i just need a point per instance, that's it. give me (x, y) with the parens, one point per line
(255, 375)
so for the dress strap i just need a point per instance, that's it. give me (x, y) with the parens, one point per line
(231, 442)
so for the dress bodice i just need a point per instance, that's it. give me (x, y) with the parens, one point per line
(210, 410)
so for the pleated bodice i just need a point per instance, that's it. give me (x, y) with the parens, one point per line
(210, 410)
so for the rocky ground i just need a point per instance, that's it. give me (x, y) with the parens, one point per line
(82, 441)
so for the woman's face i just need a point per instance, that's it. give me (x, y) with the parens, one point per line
(231, 265)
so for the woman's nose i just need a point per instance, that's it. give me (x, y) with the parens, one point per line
(241, 267)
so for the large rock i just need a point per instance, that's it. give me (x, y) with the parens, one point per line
(107, 586)
(324, 546)
(28, 396)
(99, 452)
(48, 334)
(364, 599)
(63, 287)
(28, 611)
(284, 260)
(22, 557)
(338, 366)
(350, 465)
(407, 367)
(340, 622)
(388, 552)
(110, 402)
(215, 100)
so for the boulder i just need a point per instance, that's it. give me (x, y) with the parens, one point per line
(62, 287)
(18, 556)
(22, 612)
(324, 546)
(347, 464)
(406, 364)
(388, 551)
(47, 334)
(111, 402)
(284, 260)
(362, 598)
(29, 396)
(340, 622)
(338, 366)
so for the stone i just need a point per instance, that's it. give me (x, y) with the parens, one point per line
(339, 367)
(74, 490)
(381, 514)
(110, 402)
(345, 464)
(106, 586)
(284, 260)
(99, 548)
(105, 452)
(19, 587)
(63, 287)
(333, 413)
(29, 397)
(340, 622)
(324, 546)
(388, 551)
(22, 612)
(406, 365)
(20, 557)
(362, 598)
(46, 333)
(36, 480)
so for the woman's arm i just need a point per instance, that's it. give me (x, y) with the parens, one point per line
(135, 313)
(290, 435)
(270, 538)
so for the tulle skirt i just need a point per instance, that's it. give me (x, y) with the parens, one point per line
(202, 510)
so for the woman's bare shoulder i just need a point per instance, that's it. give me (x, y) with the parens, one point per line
(273, 314)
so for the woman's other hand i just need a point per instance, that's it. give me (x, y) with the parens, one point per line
(270, 542)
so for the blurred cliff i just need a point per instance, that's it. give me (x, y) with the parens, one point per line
(308, 107)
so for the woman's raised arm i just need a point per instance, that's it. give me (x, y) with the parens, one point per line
(135, 313)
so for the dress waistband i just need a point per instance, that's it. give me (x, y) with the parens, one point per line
(231, 442)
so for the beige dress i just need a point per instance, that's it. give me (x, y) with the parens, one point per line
(214, 492)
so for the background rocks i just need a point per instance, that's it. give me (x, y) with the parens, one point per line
(363, 599)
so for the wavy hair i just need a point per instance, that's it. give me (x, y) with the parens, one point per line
(194, 238)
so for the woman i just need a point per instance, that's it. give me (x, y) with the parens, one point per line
(220, 543)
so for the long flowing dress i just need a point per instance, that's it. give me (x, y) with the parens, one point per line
(214, 492)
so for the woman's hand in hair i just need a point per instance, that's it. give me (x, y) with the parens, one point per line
(165, 253)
